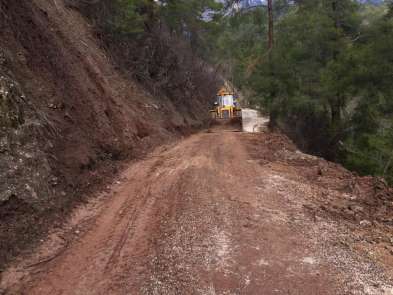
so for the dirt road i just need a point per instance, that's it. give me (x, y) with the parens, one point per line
(220, 212)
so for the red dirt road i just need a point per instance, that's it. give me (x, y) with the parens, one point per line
(217, 213)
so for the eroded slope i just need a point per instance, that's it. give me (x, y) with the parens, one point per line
(64, 111)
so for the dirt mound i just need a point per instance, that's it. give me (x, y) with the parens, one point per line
(363, 204)
(362, 197)
(67, 116)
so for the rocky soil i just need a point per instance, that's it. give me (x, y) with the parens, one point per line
(221, 212)
(68, 118)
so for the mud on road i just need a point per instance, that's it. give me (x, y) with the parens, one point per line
(220, 212)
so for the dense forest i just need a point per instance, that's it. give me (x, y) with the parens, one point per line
(327, 80)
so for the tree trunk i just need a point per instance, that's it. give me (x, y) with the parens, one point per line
(271, 33)
(335, 107)
(337, 103)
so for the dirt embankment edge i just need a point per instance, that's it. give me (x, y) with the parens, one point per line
(68, 118)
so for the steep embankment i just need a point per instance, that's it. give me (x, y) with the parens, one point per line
(64, 111)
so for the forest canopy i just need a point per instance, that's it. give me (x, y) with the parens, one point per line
(327, 80)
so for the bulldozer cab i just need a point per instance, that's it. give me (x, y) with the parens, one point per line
(226, 100)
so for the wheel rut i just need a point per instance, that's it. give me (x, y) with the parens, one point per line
(215, 213)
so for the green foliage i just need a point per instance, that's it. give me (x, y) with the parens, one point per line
(239, 45)
(195, 20)
(370, 145)
(127, 17)
(329, 75)
(188, 15)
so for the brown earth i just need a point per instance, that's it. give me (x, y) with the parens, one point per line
(69, 116)
(221, 212)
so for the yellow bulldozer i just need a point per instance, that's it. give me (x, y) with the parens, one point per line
(226, 106)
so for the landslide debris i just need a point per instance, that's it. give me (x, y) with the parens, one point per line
(25, 172)
(68, 117)
(364, 205)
